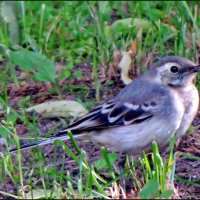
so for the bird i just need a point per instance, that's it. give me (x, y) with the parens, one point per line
(156, 106)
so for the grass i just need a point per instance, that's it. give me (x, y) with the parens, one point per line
(90, 183)
(72, 33)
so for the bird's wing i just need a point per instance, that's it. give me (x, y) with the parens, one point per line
(112, 114)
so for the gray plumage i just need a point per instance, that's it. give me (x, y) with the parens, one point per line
(155, 106)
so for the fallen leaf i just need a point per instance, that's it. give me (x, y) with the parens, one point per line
(124, 65)
(116, 57)
(133, 48)
(63, 108)
(39, 194)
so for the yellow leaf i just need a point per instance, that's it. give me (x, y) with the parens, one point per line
(63, 108)
(124, 65)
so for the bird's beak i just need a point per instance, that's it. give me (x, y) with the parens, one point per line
(195, 69)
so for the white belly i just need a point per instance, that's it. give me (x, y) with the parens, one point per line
(190, 98)
(134, 139)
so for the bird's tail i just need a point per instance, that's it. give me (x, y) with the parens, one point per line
(42, 142)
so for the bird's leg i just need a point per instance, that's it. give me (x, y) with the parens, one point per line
(119, 169)
(122, 165)
(149, 157)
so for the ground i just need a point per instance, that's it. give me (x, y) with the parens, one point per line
(187, 174)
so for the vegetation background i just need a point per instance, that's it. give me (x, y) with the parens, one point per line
(85, 52)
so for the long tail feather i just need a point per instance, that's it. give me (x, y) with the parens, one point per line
(42, 142)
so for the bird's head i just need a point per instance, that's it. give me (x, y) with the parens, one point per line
(175, 71)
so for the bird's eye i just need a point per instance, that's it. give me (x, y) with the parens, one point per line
(174, 69)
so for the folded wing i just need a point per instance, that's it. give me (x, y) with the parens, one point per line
(112, 114)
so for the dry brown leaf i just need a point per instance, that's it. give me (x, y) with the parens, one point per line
(133, 48)
(116, 57)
